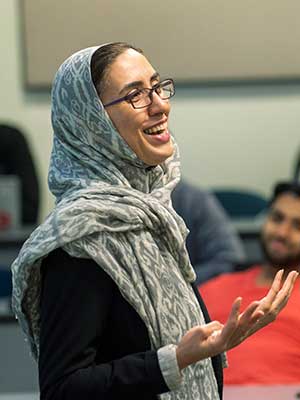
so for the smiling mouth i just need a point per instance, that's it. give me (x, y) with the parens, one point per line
(155, 130)
(278, 245)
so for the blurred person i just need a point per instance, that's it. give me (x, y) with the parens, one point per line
(103, 289)
(272, 356)
(212, 243)
(16, 159)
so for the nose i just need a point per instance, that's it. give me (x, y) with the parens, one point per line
(283, 229)
(159, 106)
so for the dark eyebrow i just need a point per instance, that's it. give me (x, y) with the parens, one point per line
(275, 211)
(136, 84)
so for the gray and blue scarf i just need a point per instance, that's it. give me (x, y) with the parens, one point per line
(112, 208)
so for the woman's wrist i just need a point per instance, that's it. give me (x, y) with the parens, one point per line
(180, 358)
(167, 359)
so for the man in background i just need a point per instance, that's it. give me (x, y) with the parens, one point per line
(272, 356)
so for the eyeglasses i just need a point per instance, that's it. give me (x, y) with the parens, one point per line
(141, 98)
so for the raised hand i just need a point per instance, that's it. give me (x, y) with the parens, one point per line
(259, 313)
(208, 340)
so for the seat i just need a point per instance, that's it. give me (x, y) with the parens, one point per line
(241, 203)
(5, 283)
(5, 291)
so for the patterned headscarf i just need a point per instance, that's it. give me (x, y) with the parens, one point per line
(114, 209)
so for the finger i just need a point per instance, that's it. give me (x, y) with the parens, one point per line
(290, 281)
(235, 310)
(275, 288)
(212, 327)
(286, 290)
(216, 329)
(250, 312)
(247, 321)
(232, 321)
(267, 302)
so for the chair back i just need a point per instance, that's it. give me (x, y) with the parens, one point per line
(241, 203)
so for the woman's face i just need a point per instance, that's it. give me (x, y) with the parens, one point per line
(131, 71)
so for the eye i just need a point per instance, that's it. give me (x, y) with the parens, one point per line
(158, 88)
(276, 217)
(164, 89)
(135, 96)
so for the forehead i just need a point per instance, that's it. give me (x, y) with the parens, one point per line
(128, 67)
(287, 204)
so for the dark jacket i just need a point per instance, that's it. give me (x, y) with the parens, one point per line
(93, 344)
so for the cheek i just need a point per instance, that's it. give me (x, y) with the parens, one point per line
(128, 127)
(271, 229)
(116, 119)
(127, 130)
(268, 235)
(125, 123)
(296, 241)
(267, 230)
(121, 126)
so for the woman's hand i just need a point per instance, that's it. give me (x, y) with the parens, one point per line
(213, 338)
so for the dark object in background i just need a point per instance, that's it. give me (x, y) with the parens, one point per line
(241, 203)
(5, 283)
(296, 172)
(16, 159)
(213, 245)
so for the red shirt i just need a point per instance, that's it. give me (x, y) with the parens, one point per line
(271, 355)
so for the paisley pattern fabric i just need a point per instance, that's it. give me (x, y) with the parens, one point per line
(116, 210)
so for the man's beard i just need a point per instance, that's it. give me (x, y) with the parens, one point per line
(286, 262)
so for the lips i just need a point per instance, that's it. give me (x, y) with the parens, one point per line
(278, 246)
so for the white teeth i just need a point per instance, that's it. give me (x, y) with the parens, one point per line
(155, 129)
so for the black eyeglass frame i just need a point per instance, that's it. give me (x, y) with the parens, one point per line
(129, 96)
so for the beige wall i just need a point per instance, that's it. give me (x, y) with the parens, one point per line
(235, 136)
(215, 40)
(29, 112)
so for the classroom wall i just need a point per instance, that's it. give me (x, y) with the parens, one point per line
(217, 40)
(235, 135)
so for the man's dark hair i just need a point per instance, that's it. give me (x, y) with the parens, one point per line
(280, 188)
(103, 58)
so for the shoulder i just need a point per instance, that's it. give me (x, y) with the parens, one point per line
(187, 189)
(60, 257)
(187, 198)
(60, 265)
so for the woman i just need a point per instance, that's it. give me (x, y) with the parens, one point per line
(103, 288)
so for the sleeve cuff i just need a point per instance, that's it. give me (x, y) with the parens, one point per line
(169, 367)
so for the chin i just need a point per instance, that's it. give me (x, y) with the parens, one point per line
(168, 152)
(158, 157)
